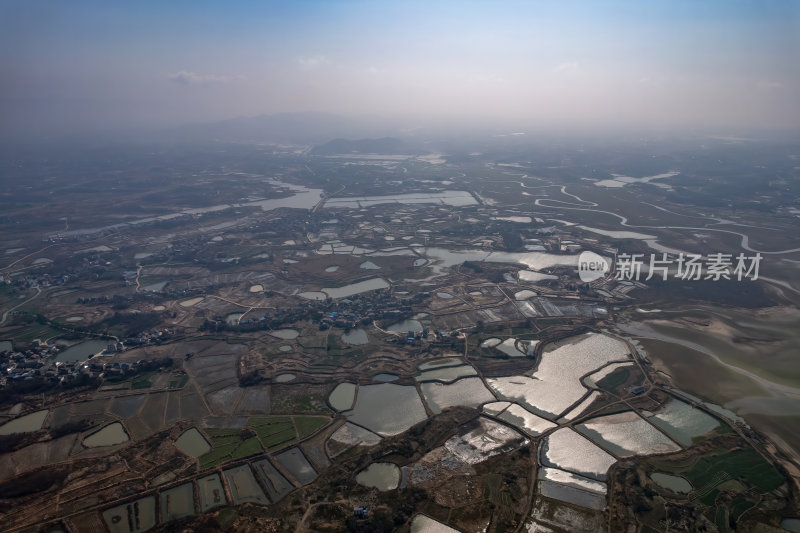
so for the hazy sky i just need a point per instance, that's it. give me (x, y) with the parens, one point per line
(85, 65)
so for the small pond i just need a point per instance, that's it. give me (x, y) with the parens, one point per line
(81, 351)
(673, 483)
(110, 435)
(382, 476)
(285, 334)
(342, 396)
(355, 336)
(25, 424)
(191, 442)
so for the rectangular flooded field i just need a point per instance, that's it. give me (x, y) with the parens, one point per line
(88, 409)
(297, 465)
(137, 429)
(214, 372)
(276, 485)
(173, 412)
(254, 400)
(192, 406)
(40, 453)
(132, 517)
(89, 522)
(60, 415)
(452, 198)
(110, 435)
(215, 369)
(568, 478)
(211, 492)
(243, 485)
(152, 413)
(126, 406)
(224, 400)
(177, 502)
(572, 495)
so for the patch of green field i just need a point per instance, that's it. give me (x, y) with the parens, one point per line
(722, 429)
(707, 472)
(747, 465)
(228, 444)
(180, 383)
(226, 518)
(273, 431)
(493, 492)
(338, 358)
(142, 381)
(218, 455)
(615, 379)
(738, 506)
(255, 421)
(334, 342)
(223, 432)
(303, 403)
(28, 334)
(675, 465)
(491, 486)
(293, 400)
(317, 341)
(721, 519)
(228, 441)
(621, 379)
(247, 447)
(306, 425)
(278, 440)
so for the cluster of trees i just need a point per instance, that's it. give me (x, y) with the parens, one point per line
(144, 366)
(33, 482)
(250, 379)
(16, 389)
